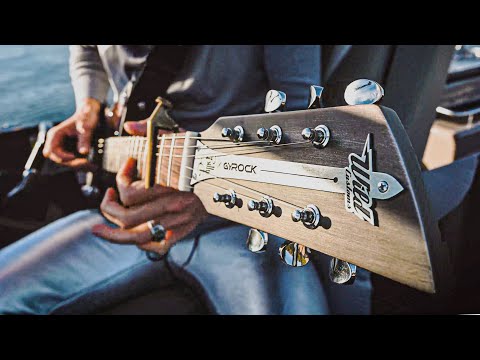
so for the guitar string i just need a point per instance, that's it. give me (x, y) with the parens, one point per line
(245, 195)
(159, 137)
(176, 172)
(233, 153)
(244, 187)
(126, 138)
(226, 180)
(227, 189)
(260, 150)
(229, 146)
(236, 153)
(247, 188)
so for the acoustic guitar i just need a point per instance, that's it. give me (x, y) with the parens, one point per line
(344, 181)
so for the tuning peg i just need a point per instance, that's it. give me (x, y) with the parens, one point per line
(257, 241)
(342, 272)
(294, 254)
(274, 134)
(275, 101)
(363, 92)
(264, 206)
(315, 101)
(320, 136)
(309, 216)
(230, 199)
(236, 134)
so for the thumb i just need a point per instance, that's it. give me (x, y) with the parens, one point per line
(84, 140)
(85, 126)
(138, 128)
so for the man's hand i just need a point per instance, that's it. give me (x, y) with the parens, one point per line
(81, 126)
(177, 211)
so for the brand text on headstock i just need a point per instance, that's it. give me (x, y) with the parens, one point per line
(358, 176)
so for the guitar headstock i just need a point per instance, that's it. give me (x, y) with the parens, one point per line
(343, 181)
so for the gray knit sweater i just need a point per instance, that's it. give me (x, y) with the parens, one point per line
(217, 80)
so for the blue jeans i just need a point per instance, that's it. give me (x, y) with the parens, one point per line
(64, 268)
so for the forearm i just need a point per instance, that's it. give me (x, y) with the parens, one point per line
(88, 76)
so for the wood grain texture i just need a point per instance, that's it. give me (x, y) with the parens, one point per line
(169, 159)
(396, 248)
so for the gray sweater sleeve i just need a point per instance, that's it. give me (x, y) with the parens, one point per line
(88, 75)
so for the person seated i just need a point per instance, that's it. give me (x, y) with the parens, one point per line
(95, 258)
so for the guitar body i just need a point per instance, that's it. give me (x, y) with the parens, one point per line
(402, 245)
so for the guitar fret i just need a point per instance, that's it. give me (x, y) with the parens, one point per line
(126, 151)
(170, 159)
(139, 157)
(144, 158)
(118, 158)
(136, 151)
(159, 168)
(135, 147)
(110, 156)
(187, 160)
(130, 148)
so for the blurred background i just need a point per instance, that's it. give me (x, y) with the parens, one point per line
(34, 85)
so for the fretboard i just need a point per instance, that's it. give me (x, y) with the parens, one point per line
(174, 154)
(116, 150)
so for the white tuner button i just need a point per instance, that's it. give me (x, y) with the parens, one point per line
(275, 101)
(363, 92)
(257, 241)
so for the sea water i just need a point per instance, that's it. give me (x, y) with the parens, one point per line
(34, 85)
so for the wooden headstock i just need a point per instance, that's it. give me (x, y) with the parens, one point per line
(394, 238)
(365, 182)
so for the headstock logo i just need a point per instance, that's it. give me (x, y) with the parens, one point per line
(207, 164)
(358, 199)
(239, 167)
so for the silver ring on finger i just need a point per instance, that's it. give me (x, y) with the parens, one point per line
(158, 234)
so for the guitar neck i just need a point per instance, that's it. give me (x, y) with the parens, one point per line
(173, 156)
(116, 150)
